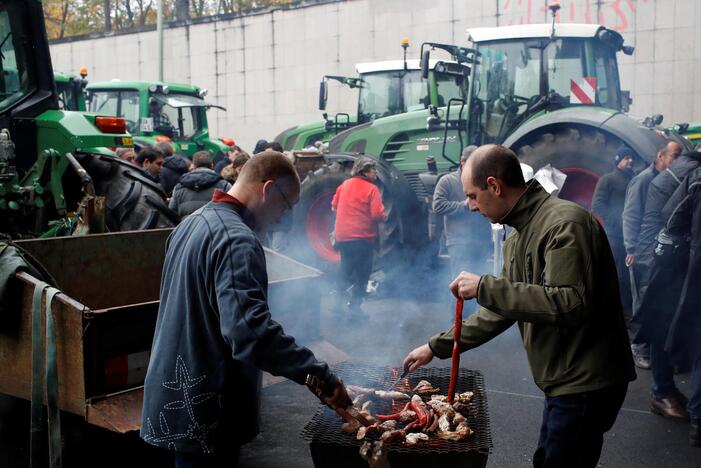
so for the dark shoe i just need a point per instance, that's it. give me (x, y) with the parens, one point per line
(640, 358)
(695, 432)
(671, 408)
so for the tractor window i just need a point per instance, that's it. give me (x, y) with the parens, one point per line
(448, 87)
(414, 92)
(388, 93)
(506, 83)
(184, 119)
(565, 59)
(379, 96)
(16, 80)
(117, 103)
(67, 99)
(607, 84)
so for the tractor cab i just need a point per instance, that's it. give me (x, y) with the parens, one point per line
(526, 70)
(71, 91)
(390, 88)
(158, 112)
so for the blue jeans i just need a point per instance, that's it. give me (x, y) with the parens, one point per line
(573, 427)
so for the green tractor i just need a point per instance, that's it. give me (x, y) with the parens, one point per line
(385, 88)
(690, 131)
(71, 90)
(157, 111)
(549, 92)
(55, 164)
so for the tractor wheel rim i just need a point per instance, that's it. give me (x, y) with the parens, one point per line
(318, 227)
(579, 186)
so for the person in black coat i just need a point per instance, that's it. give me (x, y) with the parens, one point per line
(214, 332)
(195, 188)
(683, 340)
(661, 286)
(174, 167)
(608, 201)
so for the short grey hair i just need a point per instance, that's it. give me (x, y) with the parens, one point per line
(361, 165)
(467, 152)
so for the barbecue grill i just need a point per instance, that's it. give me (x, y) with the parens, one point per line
(331, 447)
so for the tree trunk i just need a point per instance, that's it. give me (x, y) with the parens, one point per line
(182, 10)
(108, 11)
(64, 16)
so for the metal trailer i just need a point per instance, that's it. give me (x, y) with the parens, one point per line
(104, 319)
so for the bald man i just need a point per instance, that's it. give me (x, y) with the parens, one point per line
(214, 332)
(559, 285)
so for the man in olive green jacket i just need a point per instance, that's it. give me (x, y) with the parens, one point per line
(559, 284)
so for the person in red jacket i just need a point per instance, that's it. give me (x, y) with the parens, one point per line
(359, 209)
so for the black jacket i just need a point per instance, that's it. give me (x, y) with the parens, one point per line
(174, 167)
(213, 334)
(659, 285)
(195, 189)
(609, 197)
(684, 225)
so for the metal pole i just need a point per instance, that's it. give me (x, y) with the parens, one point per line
(159, 33)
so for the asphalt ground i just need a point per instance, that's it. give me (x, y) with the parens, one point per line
(394, 326)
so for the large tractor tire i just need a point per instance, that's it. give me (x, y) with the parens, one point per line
(313, 220)
(134, 202)
(583, 153)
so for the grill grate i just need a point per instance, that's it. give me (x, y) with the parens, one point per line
(325, 426)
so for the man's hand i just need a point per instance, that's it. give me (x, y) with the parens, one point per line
(630, 259)
(340, 398)
(465, 285)
(418, 358)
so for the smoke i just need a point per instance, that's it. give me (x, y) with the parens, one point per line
(411, 303)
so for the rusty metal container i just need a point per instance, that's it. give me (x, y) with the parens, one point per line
(106, 315)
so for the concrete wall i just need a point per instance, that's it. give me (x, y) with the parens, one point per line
(265, 68)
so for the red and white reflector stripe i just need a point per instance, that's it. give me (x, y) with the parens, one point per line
(583, 91)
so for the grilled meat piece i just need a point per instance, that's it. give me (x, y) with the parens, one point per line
(441, 408)
(407, 416)
(443, 424)
(391, 436)
(391, 395)
(414, 437)
(461, 432)
(424, 387)
(462, 408)
(388, 425)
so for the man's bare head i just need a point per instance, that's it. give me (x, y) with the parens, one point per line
(667, 153)
(492, 181)
(268, 185)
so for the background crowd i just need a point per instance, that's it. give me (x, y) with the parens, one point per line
(651, 218)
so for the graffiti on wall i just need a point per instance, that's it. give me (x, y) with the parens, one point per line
(616, 14)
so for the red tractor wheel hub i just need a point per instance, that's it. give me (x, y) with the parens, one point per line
(579, 186)
(318, 225)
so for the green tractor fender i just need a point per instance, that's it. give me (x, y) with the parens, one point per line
(641, 139)
(582, 143)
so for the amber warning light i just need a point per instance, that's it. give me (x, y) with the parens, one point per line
(111, 124)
